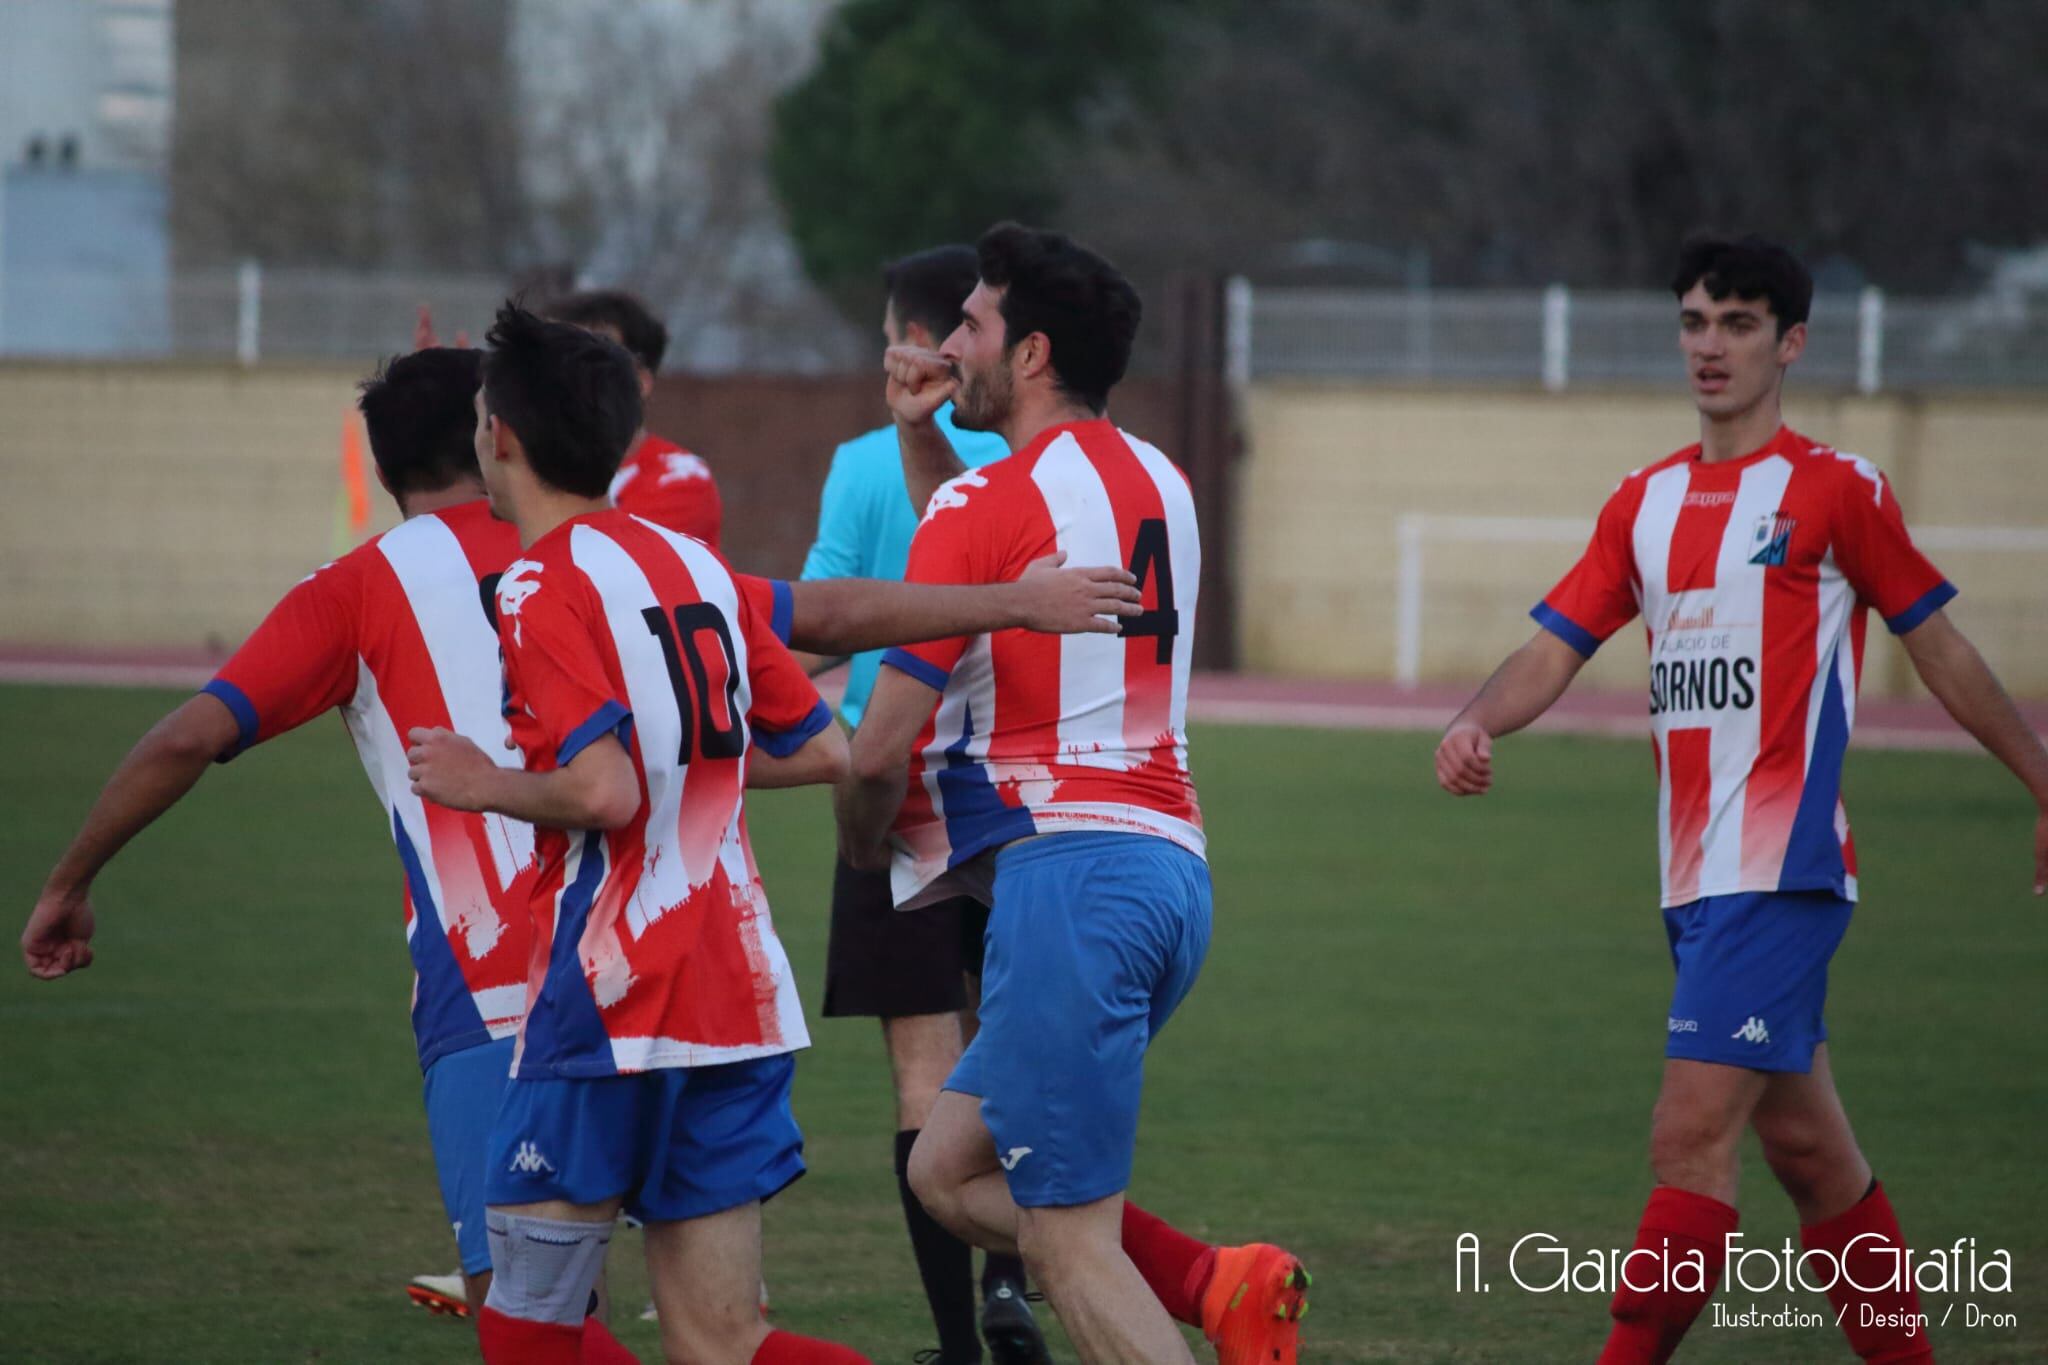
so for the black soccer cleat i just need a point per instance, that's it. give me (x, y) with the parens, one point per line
(1008, 1328)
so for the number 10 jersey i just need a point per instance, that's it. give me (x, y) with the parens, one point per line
(1034, 733)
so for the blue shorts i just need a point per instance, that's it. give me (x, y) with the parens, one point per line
(1093, 941)
(1753, 977)
(676, 1143)
(463, 1090)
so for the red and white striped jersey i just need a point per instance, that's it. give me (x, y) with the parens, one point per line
(396, 634)
(669, 486)
(1753, 577)
(1036, 733)
(653, 943)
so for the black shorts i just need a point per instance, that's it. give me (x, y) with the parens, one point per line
(887, 963)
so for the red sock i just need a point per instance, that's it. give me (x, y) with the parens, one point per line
(1175, 1265)
(1649, 1322)
(1871, 1262)
(522, 1341)
(787, 1348)
(600, 1347)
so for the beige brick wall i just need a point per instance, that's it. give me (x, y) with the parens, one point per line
(1331, 467)
(164, 504)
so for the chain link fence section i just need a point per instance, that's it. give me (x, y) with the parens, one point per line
(1558, 338)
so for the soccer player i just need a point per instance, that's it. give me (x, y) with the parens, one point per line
(658, 480)
(653, 1070)
(1753, 558)
(1054, 783)
(911, 968)
(395, 634)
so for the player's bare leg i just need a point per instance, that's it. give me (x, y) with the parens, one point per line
(956, 1174)
(1076, 1256)
(1808, 1142)
(475, 1288)
(706, 1275)
(1696, 1128)
(1843, 1211)
(923, 1049)
(1701, 1112)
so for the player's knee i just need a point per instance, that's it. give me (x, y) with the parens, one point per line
(1801, 1154)
(1681, 1141)
(932, 1182)
(697, 1336)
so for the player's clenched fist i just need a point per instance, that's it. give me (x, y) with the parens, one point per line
(920, 382)
(449, 770)
(1464, 760)
(58, 938)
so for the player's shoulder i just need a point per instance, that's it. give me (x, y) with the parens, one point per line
(1832, 468)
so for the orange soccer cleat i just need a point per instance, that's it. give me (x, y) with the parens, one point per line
(441, 1295)
(1252, 1310)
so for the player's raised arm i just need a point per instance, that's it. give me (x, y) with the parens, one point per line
(161, 768)
(1966, 687)
(848, 615)
(921, 381)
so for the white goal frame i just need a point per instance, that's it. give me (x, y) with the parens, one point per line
(1413, 531)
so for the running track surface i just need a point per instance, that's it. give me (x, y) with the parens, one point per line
(1234, 698)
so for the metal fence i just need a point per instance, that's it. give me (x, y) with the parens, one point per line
(1558, 338)
(248, 313)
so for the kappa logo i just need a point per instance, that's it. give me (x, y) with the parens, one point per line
(1016, 1154)
(1772, 538)
(528, 1160)
(515, 585)
(1753, 1032)
(1684, 1025)
(680, 466)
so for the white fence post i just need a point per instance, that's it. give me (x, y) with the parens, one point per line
(248, 312)
(1408, 532)
(1237, 331)
(1870, 340)
(1557, 337)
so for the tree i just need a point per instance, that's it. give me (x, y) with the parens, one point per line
(926, 122)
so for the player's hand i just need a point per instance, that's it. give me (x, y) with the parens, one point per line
(58, 938)
(1464, 760)
(448, 769)
(1057, 601)
(920, 382)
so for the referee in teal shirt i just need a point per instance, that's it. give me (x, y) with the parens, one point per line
(918, 971)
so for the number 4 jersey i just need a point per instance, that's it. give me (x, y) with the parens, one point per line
(1040, 733)
(1753, 577)
(653, 942)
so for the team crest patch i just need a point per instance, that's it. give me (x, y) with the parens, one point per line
(1773, 536)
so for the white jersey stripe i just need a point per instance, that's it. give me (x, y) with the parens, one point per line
(1183, 536)
(1091, 724)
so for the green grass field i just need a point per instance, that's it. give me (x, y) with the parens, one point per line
(1419, 1018)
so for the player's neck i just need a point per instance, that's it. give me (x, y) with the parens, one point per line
(1032, 415)
(542, 509)
(439, 500)
(1740, 433)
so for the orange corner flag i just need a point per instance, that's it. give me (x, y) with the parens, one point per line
(352, 508)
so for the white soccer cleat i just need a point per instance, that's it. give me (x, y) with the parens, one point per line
(441, 1295)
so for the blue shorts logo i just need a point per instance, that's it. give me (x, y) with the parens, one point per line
(1753, 1031)
(527, 1160)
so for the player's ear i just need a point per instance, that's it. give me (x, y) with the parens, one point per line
(1034, 355)
(504, 440)
(1793, 344)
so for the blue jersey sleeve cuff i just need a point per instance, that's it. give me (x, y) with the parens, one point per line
(931, 675)
(1933, 601)
(605, 720)
(1564, 628)
(783, 743)
(784, 613)
(246, 723)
